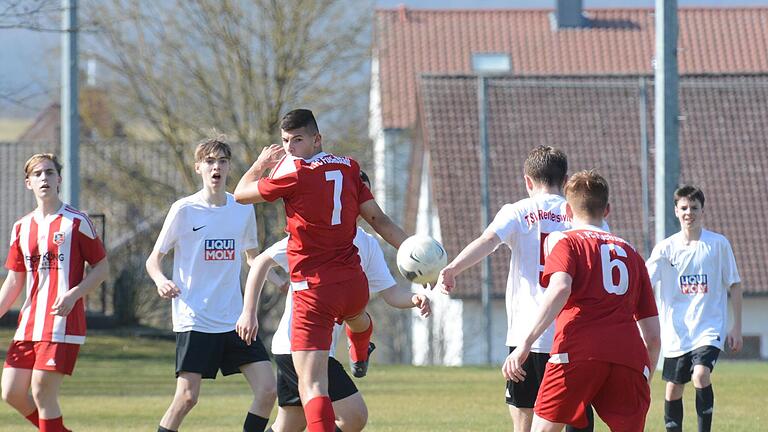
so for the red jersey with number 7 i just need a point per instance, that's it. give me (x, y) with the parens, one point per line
(610, 291)
(322, 198)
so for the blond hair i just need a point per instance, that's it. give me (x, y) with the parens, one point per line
(211, 146)
(39, 157)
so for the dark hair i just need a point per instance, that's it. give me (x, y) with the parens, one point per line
(587, 193)
(298, 119)
(547, 165)
(691, 192)
(364, 177)
(211, 146)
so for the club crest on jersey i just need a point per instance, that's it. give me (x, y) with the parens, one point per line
(694, 284)
(220, 250)
(58, 238)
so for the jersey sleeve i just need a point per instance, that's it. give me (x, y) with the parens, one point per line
(562, 259)
(278, 187)
(169, 234)
(646, 302)
(250, 235)
(15, 259)
(655, 263)
(506, 224)
(375, 267)
(89, 243)
(279, 253)
(728, 260)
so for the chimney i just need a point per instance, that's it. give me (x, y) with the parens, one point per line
(568, 14)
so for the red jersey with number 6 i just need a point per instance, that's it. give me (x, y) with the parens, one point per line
(610, 291)
(322, 198)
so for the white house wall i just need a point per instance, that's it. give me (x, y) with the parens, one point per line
(755, 321)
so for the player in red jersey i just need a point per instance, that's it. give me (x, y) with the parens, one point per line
(323, 196)
(607, 329)
(49, 249)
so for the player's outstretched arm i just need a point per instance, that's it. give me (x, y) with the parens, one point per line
(382, 224)
(478, 249)
(401, 298)
(166, 288)
(247, 326)
(11, 289)
(734, 339)
(64, 303)
(650, 330)
(554, 299)
(247, 190)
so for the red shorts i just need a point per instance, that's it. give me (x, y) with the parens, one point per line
(621, 395)
(49, 356)
(318, 308)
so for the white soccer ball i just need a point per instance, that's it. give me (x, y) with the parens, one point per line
(420, 259)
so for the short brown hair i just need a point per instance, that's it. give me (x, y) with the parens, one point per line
(691, 192)
(211, 146)
(547, 165)
(587, 193)
(299, 118)
(39, 157)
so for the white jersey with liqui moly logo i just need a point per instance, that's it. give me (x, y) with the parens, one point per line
(52, 250)
(375, 269)
(692, 283)
(208, 243)
(523, 226)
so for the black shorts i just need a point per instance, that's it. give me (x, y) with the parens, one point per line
(678, 370)
(340, 385)
(523, 394)
(206, 353)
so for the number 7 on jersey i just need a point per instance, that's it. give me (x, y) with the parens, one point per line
(338, 179)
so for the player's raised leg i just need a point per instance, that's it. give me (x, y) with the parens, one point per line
(15, 391)
(359, 331)
(185, 398)
(259, 377)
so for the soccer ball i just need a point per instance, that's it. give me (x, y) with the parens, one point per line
(420, 259)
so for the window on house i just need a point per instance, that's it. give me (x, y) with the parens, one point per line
(491, 62)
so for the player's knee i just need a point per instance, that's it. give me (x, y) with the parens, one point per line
(12, 396)
(186, 400)
(701, 376)
(266, 395)
(41, 394)
(354, 421)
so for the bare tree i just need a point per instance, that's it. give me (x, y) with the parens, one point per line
(30, 14)
(181, 68)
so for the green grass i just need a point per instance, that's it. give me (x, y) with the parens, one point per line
(125, 384)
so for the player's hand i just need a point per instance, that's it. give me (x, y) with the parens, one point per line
(63, 305)
(734, 341)
(446, 281)
(247, 327)
(269, 157)
(168, 290)
(512, 369)
(422, 302)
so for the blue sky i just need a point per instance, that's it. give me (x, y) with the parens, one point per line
(503, 4)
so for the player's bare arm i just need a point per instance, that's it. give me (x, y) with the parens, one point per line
(734, 339)
(650, 331)
(382, 224)
(11, 289)
(554, 299)
(247, 190)
(478, 249)
(401, 298)
(165, 287)
(247, 326)
(64, 303)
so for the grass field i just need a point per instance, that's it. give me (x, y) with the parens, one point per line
(125, 384)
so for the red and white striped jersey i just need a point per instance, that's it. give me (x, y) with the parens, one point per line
(52, 251)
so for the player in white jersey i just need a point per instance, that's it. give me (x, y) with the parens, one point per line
(523, 226)
(693, 270)
(208, 232)
(48, 252)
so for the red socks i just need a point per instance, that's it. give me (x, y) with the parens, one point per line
(358, 350)
(34, 419)
(53, 425)
(320, 415)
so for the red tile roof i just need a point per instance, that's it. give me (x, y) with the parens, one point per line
(620, 41)
(596, 120)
